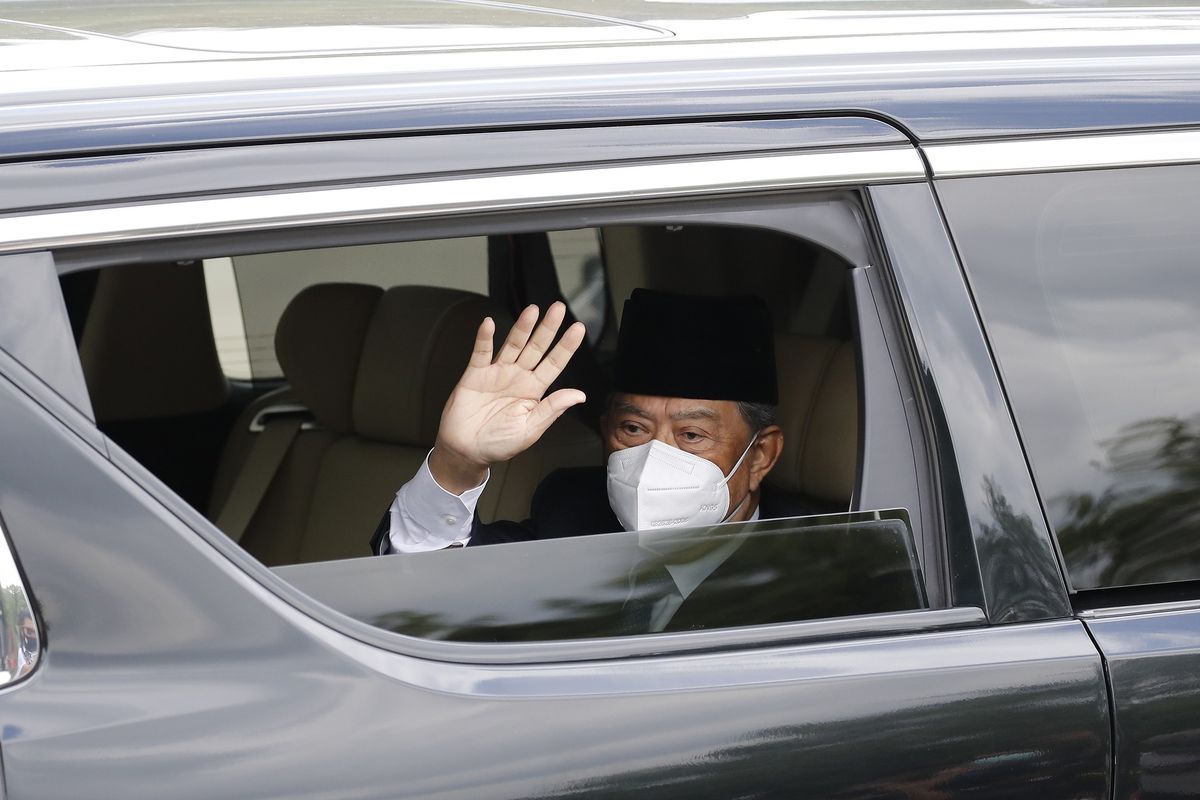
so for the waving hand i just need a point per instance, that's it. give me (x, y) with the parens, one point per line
(498, 410)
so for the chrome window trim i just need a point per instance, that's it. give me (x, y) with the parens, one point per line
(1167, 607)
(17, 658)
(414, 199)
(1158, 148)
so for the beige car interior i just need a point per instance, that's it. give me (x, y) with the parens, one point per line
(158, 362)
(307, 470)
(374, 368)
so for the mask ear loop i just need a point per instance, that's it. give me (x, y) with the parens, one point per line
(733, 471)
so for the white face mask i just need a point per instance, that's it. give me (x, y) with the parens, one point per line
(655, 485)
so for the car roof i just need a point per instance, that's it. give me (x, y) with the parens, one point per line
(151, 75)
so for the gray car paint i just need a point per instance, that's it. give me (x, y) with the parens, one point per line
(169, 664)
(941, 70)
(164, 651)
(34, 328)
(1152, 654)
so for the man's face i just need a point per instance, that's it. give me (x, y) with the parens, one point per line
(712, 429)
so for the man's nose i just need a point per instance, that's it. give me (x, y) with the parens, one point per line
(666, 437)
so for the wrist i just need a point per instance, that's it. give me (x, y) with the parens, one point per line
(454, 472)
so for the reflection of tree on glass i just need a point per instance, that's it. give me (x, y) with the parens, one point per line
(725, 576)
(777, 571)
(1010, 552)
(1144, 527)
(1086, 282)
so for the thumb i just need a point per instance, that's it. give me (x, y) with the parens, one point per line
(552, 407)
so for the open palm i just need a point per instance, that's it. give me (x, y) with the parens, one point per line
(497, 410)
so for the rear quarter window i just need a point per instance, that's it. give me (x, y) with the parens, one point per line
(1088, 284)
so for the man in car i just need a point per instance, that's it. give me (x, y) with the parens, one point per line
(689, 432)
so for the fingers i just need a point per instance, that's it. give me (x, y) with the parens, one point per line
(481, 354)
(526, 343)
(552, 407)
(556, 360)
(543, 337)
(518, 336)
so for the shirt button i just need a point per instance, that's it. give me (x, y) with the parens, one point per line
(450, 519)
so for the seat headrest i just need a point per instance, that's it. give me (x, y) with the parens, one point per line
(318, 343)
(147, 348)
(415, 351)
(818, 411)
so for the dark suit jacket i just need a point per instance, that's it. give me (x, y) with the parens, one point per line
(574, 502)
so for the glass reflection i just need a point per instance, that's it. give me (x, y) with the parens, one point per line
(1011, 554)
(1142, 526)
(625, 584)
(20, 644)
(1087, 284)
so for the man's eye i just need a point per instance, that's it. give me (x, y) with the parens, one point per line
(631, 429)
(691, 436)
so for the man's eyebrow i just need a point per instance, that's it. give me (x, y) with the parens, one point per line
(700, 412)
(623, 407)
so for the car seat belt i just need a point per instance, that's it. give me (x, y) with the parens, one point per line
(257, 474)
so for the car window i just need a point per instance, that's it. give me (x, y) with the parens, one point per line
(368, 342)
(624, 584)
(247, 294)
(1087, 283)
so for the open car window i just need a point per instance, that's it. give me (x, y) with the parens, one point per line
(300, 465)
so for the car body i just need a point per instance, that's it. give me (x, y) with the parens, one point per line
(952, 158)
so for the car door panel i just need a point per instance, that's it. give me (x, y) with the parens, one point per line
(167, 663)
(1153, 660)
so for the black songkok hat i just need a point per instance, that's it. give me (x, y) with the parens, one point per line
(707, 348)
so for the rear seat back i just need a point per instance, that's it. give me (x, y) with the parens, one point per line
(318, 342)
(415, 348)
(818, 411)
(375, 368)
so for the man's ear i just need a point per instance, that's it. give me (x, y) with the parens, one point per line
(766, 451)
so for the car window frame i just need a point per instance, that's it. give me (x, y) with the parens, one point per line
(902, 171)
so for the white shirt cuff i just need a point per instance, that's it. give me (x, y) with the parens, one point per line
(424, 516)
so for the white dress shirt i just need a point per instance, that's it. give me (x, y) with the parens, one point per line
(424, 516)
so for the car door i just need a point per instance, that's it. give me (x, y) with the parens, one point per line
(171, 658)
(1089, 298)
